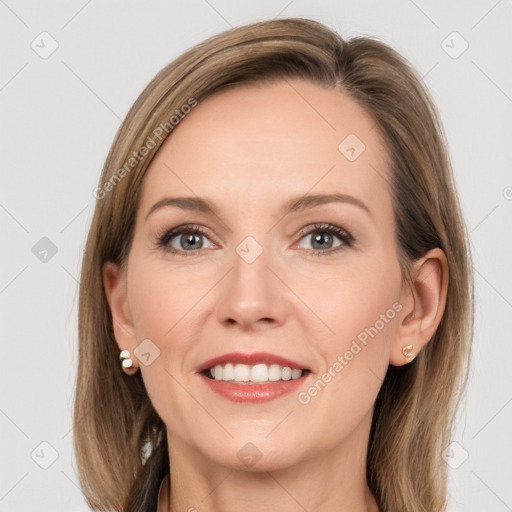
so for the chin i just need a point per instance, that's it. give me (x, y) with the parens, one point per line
(257, 456)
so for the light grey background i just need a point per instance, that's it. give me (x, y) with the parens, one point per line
(59, 116)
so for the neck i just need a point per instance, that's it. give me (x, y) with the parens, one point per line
(333, 480)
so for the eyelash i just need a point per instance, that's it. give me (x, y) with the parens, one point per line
(345, 235)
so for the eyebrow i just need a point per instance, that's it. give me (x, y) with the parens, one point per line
(296, 204)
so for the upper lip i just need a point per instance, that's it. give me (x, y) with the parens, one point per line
(251, 359)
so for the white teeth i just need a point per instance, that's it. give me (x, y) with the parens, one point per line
(229, 372)
(296, 374)
(242, 373)
(257, 373)
(274, 372)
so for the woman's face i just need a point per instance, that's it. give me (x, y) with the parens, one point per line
(262, 278)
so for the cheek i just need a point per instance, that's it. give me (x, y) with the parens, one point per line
(360, 309)
(161, 298)
(351, 298)
(162, 305)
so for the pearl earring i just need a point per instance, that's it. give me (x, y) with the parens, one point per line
(407, 350)
(127, 363)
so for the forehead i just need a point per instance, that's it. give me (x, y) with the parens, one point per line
(270, 141)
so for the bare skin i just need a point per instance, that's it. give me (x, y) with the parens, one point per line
(249, 150)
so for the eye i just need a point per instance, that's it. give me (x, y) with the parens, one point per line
(182, 239)
(322, 238)
(188, 238)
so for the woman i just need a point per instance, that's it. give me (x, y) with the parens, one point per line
(276, 303)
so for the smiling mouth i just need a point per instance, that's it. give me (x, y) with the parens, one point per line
(253, 374)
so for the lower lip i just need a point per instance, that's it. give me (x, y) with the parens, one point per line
(253, 393)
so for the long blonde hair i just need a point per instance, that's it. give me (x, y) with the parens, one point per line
(119, 439)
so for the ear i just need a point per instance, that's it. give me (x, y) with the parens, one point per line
(423, 306)
(115, 285)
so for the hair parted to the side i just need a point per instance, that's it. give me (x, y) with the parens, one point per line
(114, 420)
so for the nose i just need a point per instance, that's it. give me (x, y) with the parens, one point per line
(253, 297)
